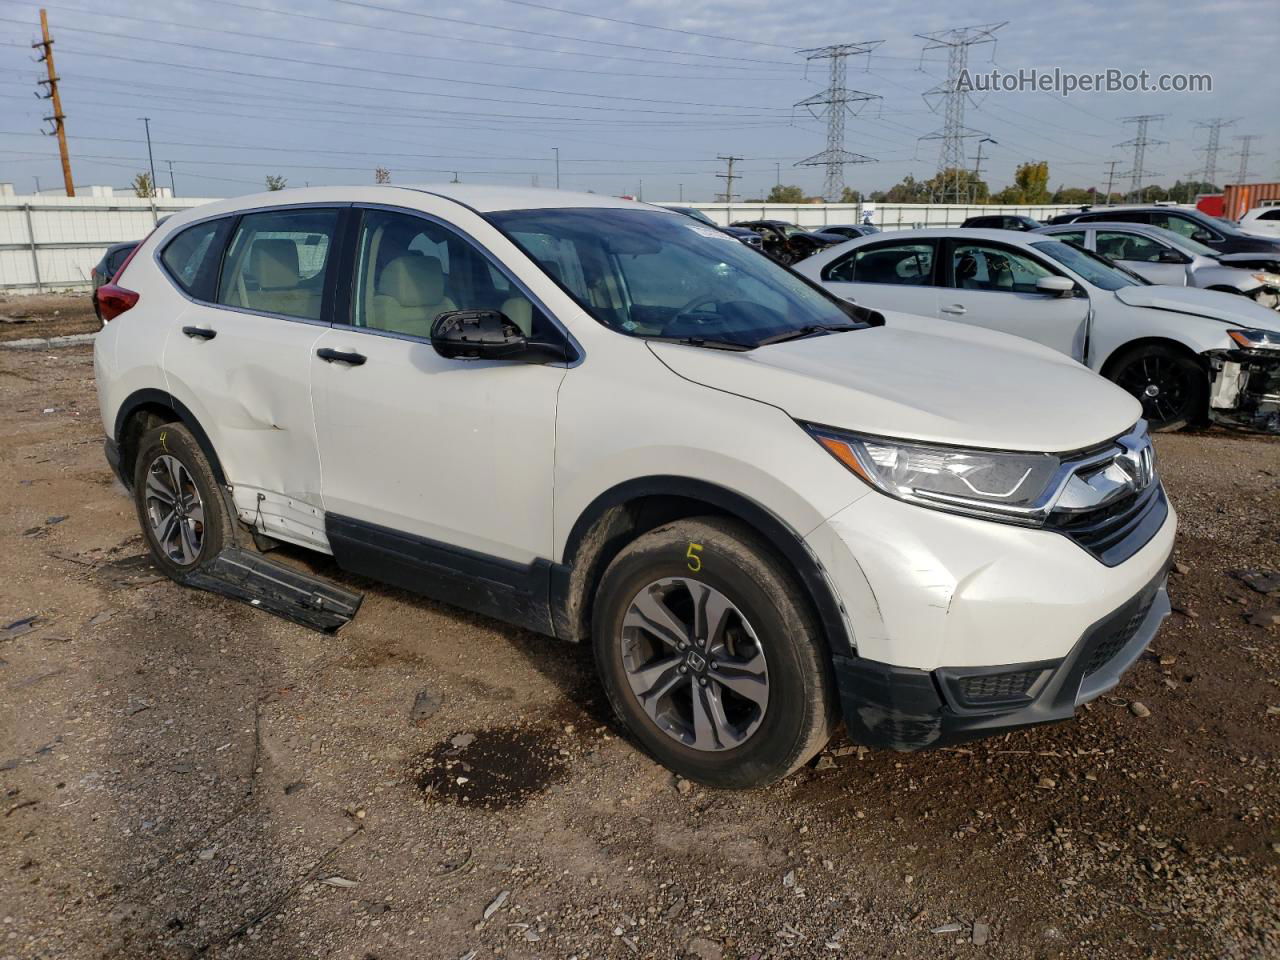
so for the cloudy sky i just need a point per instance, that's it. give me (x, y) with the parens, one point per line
(637, 96)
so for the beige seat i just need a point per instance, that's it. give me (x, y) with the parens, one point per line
(409, 295)
(273, 263)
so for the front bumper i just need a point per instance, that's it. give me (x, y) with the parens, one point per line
(900, 708)
(1245, 389)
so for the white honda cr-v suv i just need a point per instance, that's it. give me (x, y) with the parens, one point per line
(765, 507)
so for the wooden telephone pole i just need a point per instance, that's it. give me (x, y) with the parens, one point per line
(59, 126)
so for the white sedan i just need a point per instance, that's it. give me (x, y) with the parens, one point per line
(1188, 355)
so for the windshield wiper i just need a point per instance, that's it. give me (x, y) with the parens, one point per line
(812, 330)
(709, 342)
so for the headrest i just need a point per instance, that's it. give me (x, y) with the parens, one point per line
(275, 263)
(413, 281)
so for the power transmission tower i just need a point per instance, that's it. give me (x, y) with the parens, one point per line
(1210, 149)
(956, 42)
(58, 118)
(1246, 142)
(1140, 144)
(728, 178)
(1111, 179)
(834, 104)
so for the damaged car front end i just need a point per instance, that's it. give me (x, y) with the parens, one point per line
(1245, 381)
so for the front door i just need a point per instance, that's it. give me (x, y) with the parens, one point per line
(242, 363)
(425, 458)
(994, 286)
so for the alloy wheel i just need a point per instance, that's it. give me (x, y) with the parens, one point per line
(174, 510)
(695, 664)
(1162, 386)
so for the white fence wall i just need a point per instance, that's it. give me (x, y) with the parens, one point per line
(886, 216)
(51, 243)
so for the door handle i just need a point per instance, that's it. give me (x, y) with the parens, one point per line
(956, 308)
(200, 333)
(338, 356)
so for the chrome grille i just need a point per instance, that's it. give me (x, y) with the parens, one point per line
(1115, 532)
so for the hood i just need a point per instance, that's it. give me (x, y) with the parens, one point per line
(1251, 261)
(923, 379)
(1214, 304)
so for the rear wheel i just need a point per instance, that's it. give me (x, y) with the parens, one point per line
(710, 655)
(180, 509)
(1171, 386)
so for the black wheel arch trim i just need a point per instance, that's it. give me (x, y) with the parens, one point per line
(153, 397)
(780, 535)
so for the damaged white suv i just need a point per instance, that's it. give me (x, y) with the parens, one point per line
(765, 508)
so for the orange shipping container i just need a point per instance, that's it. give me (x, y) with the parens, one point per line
(1238, 199)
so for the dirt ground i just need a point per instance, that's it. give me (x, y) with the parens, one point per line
(184, 775)
(46, 315)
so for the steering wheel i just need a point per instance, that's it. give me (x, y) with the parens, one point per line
(697, 301)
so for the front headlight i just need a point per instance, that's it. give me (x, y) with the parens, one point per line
(1014, 487)
(1255, 339)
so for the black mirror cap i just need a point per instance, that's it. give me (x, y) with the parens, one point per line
(488, 335)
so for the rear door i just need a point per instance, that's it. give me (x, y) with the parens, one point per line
(888, 275)
(994, 286)
(240, 356)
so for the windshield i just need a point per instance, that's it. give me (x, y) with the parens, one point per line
(693, 212)
(1185, 243)
(650, 274)
(1095, 269)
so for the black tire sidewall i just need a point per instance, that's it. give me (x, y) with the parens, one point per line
(798, 677)
(176, 441)
(1196, 379)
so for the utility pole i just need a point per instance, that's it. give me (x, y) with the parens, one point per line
(834, 104)
(556, 150)
(1140, 144)
(977, 166)
(1111, 179)
(953, 96)
(150, 159)
(1246, 142)
(173, 189)
(1210, 149)
(728, 178)
(681, 186)
(58, 118)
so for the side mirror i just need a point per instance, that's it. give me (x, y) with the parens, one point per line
(1056, 286)
(1202, 236)
(1170, 256)
(488, 335)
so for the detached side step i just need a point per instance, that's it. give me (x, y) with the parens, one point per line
(285, 591)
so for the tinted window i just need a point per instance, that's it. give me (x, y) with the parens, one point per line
(984, 222)
(191, 257)
(1129, 246)
(977, 266)
(648, 274)
(1270, 214)
(1120, 216)
(116, 260)
(910, 264)
(1074, 236)
(1183, 226)
(409, 270)
(277, 262)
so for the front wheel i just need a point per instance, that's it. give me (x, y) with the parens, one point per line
(1171, 386)
(710, 655)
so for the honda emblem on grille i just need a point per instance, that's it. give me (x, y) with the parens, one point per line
(1137, 459)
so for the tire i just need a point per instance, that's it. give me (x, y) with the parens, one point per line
(169, 457)
(1171, 386)
(750, 736)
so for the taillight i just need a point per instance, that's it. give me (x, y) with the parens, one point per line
(113, 300)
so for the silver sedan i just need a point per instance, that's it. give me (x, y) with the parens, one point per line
(1164, 257)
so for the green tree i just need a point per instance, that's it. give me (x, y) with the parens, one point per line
(849, 195)
(907, 190)
(142, 185)
(276, 182)
(1074, 195)
(1030, 184)
(1187, 191)
(953, 180)
(785, 193)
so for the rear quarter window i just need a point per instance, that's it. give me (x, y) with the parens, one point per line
(192, 257)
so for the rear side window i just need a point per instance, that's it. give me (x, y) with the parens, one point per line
(191, 258)
(1270, 214)
(910, 264)
(277, 262)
